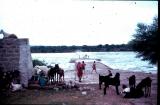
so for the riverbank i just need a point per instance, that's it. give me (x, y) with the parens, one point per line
(88, 93)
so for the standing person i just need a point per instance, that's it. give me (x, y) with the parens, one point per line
(79, 71)
(94, 66)
(109, 73)
(83, 66)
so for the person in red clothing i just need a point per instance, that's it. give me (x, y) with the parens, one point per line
(94, 66)
(79, 71)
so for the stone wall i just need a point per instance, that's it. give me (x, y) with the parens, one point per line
(9, 54)
(15, 55)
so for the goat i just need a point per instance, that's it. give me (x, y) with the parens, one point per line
(56, 74)
(7, 35)
(110, 81)
(146, 84)
(16, 87)
(132, 81)
(104, 78)
(52, 74)
(138, 91)
(61, 74)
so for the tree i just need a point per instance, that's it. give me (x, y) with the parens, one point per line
(145, 41)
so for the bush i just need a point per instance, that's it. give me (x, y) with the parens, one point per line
(38, 62)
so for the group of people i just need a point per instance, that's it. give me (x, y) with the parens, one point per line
(80, 68)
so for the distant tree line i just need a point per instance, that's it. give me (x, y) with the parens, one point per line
(84, 48)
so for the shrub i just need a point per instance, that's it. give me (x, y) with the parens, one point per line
(38, 62)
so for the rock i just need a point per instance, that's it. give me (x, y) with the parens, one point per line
(84, 93)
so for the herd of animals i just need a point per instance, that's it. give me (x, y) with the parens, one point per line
(49, 74)
(11, 79)
(143, 88)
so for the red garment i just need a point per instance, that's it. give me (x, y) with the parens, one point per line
(79, 70)
(94, 66)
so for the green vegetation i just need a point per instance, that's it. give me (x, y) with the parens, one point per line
(145, 41)
(98, 48)
(38, 62)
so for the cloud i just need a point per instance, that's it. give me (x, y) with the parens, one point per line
(53, 22)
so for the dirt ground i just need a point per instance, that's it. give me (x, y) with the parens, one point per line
(88, 92)
(93, 96)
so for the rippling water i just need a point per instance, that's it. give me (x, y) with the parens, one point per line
(116, 60)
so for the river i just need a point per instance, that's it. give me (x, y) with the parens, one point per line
(116, 60)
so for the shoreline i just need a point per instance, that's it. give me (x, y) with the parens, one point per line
(89, 86)
(124, 74)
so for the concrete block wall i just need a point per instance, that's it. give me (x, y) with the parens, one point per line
(15, 55)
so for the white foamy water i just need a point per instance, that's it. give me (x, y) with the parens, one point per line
(115, 60)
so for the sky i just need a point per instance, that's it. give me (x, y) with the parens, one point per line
(75, 22)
